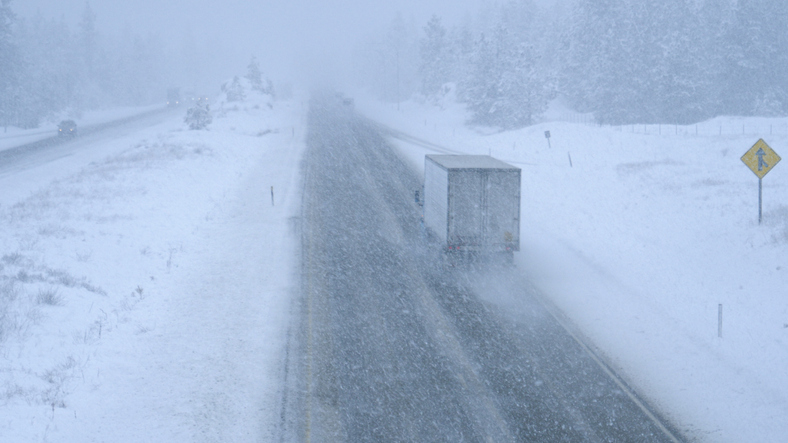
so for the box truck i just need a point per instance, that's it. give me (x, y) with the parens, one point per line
(472, 203)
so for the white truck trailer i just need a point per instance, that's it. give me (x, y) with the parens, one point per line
(472, 203)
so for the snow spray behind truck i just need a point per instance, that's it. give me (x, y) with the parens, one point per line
(472, 203)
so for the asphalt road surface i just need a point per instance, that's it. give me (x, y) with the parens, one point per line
(392, 345)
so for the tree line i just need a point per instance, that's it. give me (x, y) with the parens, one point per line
(48, 69)
(636, 61)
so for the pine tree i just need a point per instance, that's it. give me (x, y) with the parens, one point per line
(198, 116)
(585, 53)
(10, 67)
(87, 37)
(399, 60)
(715, 22)
(234, 91)
(89, 93)
(434, 67)
(758, 60)
(254, 75)
(256, 79)
(678, 79)
(479, 92)
(462, 51)
(506, 89)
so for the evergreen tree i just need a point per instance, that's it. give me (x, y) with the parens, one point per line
(479, 91)
(254, 75)
(89, 94)
(11, 67)
(505, 89)
(715, 19)
(635, 62)
(461, 48)
(639, 61)
(235, 90)
(584, 53)
(678, 80)
(198, 116)
(434, 67)
(759, 58)
(400, 55)
(256, 79)
(87, 37)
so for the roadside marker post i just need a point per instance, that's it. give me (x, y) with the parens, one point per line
(547, 136)
(760, 159)
(719, 320)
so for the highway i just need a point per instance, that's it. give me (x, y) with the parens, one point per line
(34, 154)
(389, 344)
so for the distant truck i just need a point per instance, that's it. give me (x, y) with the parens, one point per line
(173, 97)
(472, 203)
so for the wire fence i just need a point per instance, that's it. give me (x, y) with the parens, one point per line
(721, 126)
(708, 129)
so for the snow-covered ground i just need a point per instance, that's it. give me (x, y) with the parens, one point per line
(13, 136)
(639, 240)
(145, 293)
(145, 286)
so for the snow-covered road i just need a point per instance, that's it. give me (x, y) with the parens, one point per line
(395, 347)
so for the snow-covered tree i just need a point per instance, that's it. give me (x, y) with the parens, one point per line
(635, 61)
(461, 49)
(387, 63)
(254, 74)
(758, 59)
(435, 62)
(234, 90)
(11, 67)
(256, 79)
(198, 116)
(87, 37)
(506, 89)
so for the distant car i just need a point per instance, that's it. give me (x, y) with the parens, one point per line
(67, 128)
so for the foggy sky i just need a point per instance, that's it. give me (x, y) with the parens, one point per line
(289, 37)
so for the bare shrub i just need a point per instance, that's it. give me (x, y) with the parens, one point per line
(58, 378)
(12, 259)
(49, 297)
(9, 316)
(8, 291)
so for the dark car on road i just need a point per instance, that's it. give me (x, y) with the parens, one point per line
(67, 128)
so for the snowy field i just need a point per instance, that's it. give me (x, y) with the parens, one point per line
(145, 291)
(639, 240)
(145, 287)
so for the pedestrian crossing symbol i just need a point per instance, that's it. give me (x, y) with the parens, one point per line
(760, 158)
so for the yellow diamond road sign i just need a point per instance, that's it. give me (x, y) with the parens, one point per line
(760, 158)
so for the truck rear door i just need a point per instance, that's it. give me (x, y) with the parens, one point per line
(465, 207)
(502, 214)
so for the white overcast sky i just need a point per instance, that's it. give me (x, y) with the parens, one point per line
(280, 32)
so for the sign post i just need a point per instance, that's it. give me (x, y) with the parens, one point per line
(547, 136)
(760, 159)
